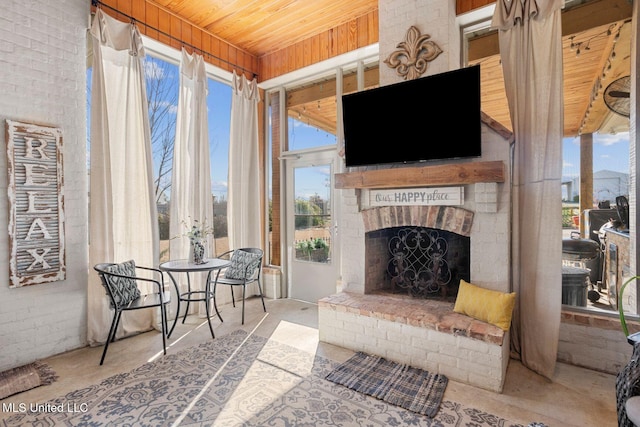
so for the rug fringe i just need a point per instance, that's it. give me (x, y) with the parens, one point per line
(27, 377)
(46, 373)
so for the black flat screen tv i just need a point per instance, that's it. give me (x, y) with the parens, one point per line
(430, 118)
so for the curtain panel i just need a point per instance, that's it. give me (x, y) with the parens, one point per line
(531, 54)
(244, 166)
(191, 198)
(123, 216)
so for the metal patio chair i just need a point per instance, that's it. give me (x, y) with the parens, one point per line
(121, 283)
(245, 268)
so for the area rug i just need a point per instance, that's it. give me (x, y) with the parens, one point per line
(235, 380)
(25, 378)
(399, 384)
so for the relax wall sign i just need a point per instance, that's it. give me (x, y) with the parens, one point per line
(430, 196)
(36, 199)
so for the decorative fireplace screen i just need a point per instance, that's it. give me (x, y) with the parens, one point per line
(418, 262)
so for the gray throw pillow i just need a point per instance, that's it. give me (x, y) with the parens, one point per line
(124, 290)
(241, 262)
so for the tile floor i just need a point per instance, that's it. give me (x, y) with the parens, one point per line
(575, 397)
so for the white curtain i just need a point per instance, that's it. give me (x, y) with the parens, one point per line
(531, 53)
(123, 218)
(191, 198)
(243, 207)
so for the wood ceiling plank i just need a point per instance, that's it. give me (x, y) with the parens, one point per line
(196, 37)
(124, 6)
(250, 24)
(362, 30)
(164, 25)
(138, 10)
(151, 18)
(175, 29)
(315, 49)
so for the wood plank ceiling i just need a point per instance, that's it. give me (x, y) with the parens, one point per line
(596, 43)
(264, 26)
(596, 52)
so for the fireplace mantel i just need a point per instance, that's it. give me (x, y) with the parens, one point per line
(447, 174)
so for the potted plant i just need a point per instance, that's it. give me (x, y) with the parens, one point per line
(197, 234)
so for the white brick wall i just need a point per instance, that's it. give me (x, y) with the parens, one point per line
(460, 358)
(42, 80)
(432, 17)
(600, 349)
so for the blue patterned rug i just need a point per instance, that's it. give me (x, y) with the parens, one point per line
(235, 380)
(399, 384)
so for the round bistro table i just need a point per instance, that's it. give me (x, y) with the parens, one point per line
(184, 266)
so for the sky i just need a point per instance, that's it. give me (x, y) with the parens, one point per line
(218, 117)
(310, 181)
(610, 152)
(219, 107)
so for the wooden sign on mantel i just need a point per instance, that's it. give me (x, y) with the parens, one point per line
(36, 203)
(444, 174)
(431, 196)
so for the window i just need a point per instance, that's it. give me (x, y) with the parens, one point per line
(311, 113)
(219, 106)
(311, 124)
(163, 82)
(163, 86)
(273, 255)
(609, 179)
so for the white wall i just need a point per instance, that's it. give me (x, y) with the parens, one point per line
(42, 80)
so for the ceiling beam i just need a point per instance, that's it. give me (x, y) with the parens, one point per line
(325, 88)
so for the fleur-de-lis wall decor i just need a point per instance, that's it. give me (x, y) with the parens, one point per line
(413, 54)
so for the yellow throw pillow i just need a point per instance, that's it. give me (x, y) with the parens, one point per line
(484, 304)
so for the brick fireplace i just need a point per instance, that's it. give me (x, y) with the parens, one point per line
(484, 218)
(424, 332)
